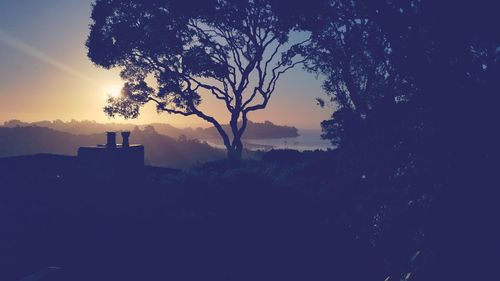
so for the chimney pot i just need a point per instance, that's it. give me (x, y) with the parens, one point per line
(125, 137)
(111, 140)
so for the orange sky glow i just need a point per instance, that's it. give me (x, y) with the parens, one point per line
(46, 75)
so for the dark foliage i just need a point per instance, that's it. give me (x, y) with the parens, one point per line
(409, 193)
(260, 220)
(415, 84)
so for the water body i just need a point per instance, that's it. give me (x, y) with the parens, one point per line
(307, 140)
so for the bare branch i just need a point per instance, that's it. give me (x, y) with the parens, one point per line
(271, 87)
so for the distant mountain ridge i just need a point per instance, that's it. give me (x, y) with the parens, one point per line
(161, 150)
(264, 130)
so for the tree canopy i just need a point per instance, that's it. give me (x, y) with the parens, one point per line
(415, 88)
(234, 51)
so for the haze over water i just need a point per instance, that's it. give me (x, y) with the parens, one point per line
(308, 139)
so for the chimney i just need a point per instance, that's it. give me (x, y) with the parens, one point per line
(111, 136)
(125, 137)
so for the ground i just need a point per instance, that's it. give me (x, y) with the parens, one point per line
(260, 220)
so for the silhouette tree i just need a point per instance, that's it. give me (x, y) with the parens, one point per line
(420, 133)
(234, 51)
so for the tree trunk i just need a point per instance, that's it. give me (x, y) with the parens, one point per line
(234, 154)
(235, 150)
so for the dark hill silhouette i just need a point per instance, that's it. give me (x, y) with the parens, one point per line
(254, 131)
(161, 150)
(165, 151)
(33, 140)
(44, 165)
(86, 127)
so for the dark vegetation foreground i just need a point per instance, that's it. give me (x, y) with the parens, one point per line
(285, 217)
(410, 193)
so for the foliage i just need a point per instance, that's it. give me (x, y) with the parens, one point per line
(233, 51)
(413, 83)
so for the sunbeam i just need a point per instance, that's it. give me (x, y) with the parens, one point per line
(19, 45)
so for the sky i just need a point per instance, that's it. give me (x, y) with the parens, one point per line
(45, 73)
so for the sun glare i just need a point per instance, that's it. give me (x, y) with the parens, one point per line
(113, 91)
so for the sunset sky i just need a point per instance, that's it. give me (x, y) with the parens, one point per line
(45, 73)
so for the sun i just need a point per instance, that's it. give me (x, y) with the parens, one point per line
(113, 91)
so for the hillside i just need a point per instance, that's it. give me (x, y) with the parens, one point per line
(254, 130)
(161, 150)
(266, 130)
